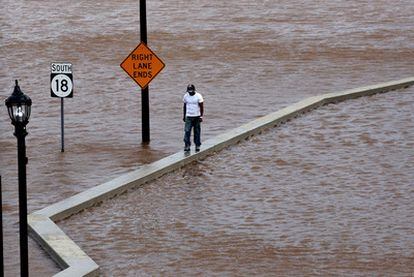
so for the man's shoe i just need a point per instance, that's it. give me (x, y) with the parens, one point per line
(187, 149)
(197, 149)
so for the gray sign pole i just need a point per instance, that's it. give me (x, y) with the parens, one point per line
(62, 123)
(61, 85)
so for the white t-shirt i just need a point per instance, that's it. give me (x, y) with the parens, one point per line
(192, 104)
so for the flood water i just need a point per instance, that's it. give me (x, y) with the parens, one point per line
(327, 194)
(246, 58)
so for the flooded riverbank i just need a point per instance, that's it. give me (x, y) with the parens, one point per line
(247, 60)
(326, 194)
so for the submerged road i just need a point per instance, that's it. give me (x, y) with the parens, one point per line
(328, 193)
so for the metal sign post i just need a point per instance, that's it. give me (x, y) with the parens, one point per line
(62, 124)
(144, 91)
(61, 85)
(142, 65)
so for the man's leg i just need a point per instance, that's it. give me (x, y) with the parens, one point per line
(187, 133)
(197, 133)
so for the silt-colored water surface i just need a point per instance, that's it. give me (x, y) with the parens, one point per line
(246, 58)
(327, 194)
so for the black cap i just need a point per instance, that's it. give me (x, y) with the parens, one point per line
(190, 88)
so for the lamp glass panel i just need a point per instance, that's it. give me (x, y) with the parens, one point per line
(28, 111)
(19, 113)
(10, 110)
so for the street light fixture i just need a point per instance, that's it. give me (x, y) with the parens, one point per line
(19, 108)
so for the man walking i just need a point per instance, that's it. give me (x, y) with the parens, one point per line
(193, 115)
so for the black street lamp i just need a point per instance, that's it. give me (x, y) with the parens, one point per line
(19, 107)
(1, 233)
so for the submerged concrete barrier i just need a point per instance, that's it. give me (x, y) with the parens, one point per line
(70, 256)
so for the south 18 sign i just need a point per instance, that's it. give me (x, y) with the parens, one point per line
(61, 80)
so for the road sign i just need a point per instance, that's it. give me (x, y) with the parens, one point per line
(142, 65)
(61, 85)
(61, 80)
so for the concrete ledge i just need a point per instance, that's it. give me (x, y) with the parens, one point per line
(64, 251)
(76, 263)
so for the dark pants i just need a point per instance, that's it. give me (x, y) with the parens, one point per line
(191, 122)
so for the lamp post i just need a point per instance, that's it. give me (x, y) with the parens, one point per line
(1, 233)
(19, 107)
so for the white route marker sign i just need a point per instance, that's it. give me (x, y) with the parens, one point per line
(61, 80)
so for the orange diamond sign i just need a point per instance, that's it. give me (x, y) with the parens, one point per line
(142, 65)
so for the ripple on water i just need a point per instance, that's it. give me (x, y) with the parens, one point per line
(275, 206)
(247, 58)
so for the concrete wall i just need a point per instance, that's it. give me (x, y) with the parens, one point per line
(75, 262)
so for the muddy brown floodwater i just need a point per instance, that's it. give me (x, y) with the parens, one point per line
(247, 58)
(327, 194)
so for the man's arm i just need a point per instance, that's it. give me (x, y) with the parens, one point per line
(201, 110)
(184, 111)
